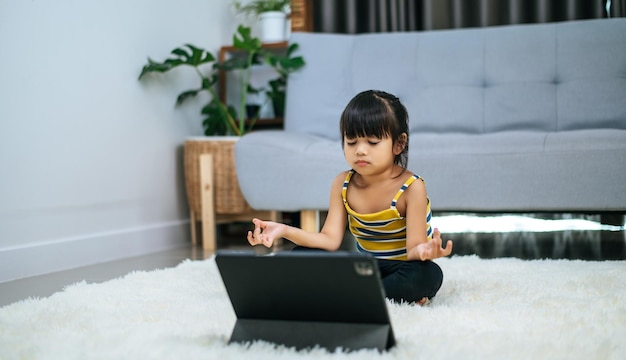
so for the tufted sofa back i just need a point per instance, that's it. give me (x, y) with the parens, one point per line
(545, 78)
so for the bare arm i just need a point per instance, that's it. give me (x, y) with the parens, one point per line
(329, 238)
(417, 244)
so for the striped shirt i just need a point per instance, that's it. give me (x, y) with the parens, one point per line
(382, 234)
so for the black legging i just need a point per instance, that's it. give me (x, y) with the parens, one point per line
(405, 281)
(410, 281)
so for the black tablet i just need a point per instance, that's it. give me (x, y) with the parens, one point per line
(307, 299)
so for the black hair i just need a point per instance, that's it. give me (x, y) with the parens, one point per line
(378, 114)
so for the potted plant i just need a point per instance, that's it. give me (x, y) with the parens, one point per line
(272, 15)
(218, 119)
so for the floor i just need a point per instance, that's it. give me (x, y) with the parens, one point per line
(578, 236)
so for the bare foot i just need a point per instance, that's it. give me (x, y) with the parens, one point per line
(423, 302)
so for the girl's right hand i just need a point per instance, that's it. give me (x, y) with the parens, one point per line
(264, 233)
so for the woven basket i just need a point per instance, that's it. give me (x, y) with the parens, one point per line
(228, 196)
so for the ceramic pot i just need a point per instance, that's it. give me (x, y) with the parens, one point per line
(273, 25)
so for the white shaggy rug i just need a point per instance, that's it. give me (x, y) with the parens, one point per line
(486, 309)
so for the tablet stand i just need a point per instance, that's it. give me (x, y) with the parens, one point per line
(310, 334)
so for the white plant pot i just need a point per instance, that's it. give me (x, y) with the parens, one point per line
(273, 25)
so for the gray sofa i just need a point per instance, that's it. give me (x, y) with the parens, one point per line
(525, 118)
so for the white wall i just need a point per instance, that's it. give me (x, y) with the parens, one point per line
(91, 158)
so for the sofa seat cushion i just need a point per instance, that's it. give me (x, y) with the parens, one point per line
(534, 171)
(487, 172)
(287, 171)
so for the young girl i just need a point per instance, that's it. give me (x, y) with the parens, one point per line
(384, 205)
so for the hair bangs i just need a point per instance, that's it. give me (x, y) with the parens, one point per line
(372, 123)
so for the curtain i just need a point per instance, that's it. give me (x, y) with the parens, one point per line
(365, 16)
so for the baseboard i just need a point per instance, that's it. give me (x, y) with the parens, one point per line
(62, 254)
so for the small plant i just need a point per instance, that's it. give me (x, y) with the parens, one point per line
(257, 7)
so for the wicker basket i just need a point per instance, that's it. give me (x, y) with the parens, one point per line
(228, 196)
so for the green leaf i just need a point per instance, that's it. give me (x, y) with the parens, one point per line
(243, 40)
(206, 83)
(216, 121)
(181, 53)
(292, 47)
(186, 95)
(292, 63)
(194, 56)
(154, 66)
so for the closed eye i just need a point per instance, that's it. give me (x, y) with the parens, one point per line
(373, 140)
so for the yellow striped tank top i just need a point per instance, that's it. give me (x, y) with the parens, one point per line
(382, 234)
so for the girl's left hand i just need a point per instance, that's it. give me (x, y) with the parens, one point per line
(432, 249)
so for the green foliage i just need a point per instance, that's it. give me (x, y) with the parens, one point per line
(257, 7)
(220, 118)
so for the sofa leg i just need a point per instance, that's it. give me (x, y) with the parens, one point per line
(310, 220)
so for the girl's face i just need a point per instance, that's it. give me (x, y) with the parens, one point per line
(370, 155)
